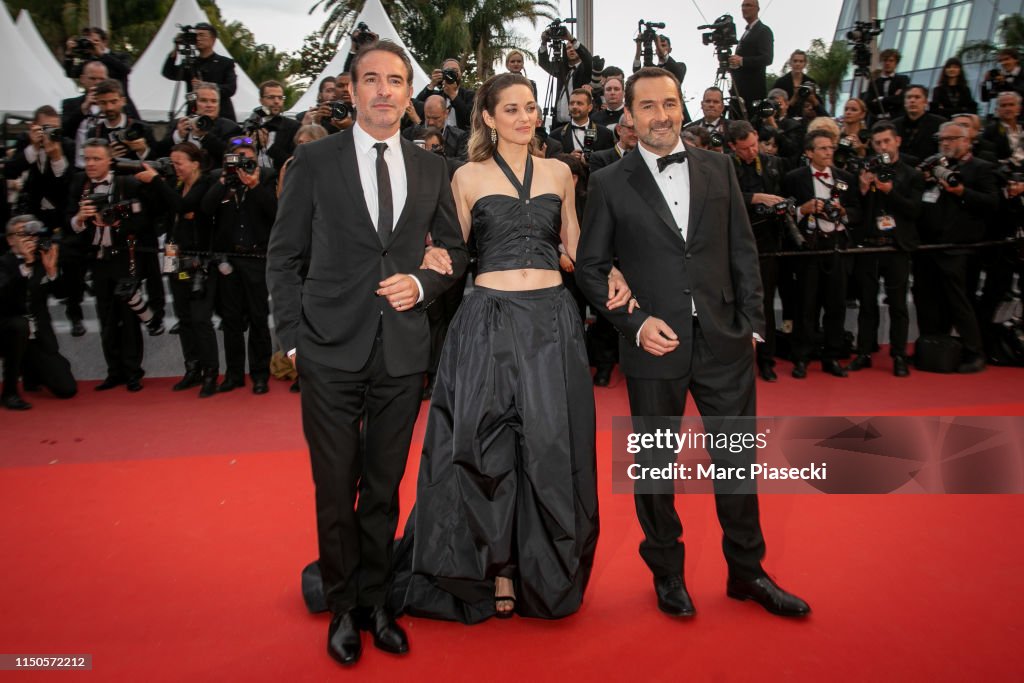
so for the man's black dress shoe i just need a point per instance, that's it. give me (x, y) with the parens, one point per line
(900, 367)
(230, 383)
(766, 593)
(602, 376)
(672, 596)
(109, 383)
(77, 328)
(134, 385)
(833, 367)
(344, 644)
(799, 369)
(768, 373)
(15, 402)
(861, 362)
(976, 364)
(259, 386)
(387, 634)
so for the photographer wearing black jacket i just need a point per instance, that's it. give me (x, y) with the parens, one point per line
(129, 138)
(571, 65)
(243, 204)
(107, 211)
(957, 203)
(891, 203)
(273, 133)
(447, 82)
(201, 64)
(94, 45)
(28, 276)
(204, 127)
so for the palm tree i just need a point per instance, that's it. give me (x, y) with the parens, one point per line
(1011, 30)
(828, 66)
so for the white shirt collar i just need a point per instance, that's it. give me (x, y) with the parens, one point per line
(121, 122)
(365, 142)
(752, 24)
(651, 159)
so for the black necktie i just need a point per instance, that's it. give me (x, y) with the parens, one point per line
(677, 158)
(386, 210)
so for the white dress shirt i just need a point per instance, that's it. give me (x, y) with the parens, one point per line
(823, 191)
(366, 156)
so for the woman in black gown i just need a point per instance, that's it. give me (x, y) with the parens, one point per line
(506, 507)
(952, 95)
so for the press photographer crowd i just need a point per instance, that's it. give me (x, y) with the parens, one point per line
(910, 193)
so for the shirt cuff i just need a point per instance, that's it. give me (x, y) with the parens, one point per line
(640, 330)
(419, 286)
(758, 338)
(31, 154)
(291, 354)
(26, 271)
(76, 225)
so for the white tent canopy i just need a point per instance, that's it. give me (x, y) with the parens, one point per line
(151, 92)
(25, 87)
(30, 34)
(374, 16)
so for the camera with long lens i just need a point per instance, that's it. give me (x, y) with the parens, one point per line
(786, 206)
(589, 138)
(558, 34)
(716, 139)
(53, 133)
(833, 210)
(806, 90)
(860, 37)
(764, 109)
(882, 166)
(596, 84)
(130, 133)
(129, 290)
(110, 212)
(341, 110)
(721, 34)
(362, 35)
(938, 167)
(123, 166)
(202, 123)
(646, 35)
(45, 236)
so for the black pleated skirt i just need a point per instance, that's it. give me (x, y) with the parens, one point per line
(507, 483)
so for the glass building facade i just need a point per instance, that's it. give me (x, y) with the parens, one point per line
(928, 32)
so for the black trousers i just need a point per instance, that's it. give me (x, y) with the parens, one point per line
(14, 333)
(357, 490)
(120, 331)
(942, 300)
(196, 335)
(74, 263)
(894, 268)
(822, 281)
(439, 314)
(43, 365)
(243, 303)
(147, 267)
(718, 390)
(769, 277)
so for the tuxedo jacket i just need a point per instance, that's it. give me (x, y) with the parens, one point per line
(606, 157)
(919, 141)
(42, 184)
(891, 102)
(285, 129)
(996, 82)
(758, 51)
(715, 268)
(604, 140)
(21, 295)
(799, 184)
(462, 104)
(215, 142)
(325, 258)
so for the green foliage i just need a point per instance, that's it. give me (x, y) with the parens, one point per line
(1011, 33)
(828, 66)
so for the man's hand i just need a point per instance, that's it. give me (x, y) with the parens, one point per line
(435, 78)
(958, 190)
(618, 290)
(657, 338)
(410, 111)
(451, 90)
(437, 259)
(49, 260)
(401, 291)
(137, 146)
(184, 127)
(53, 148)
(35, 135)
(147, 175)
(118, 149)
(195, 83)
(90, 99)
(27, 248)
(766, 199)
(812, 206)
(86, 210)
(735, 62)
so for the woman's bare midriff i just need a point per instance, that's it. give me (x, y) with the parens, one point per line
(519, 280)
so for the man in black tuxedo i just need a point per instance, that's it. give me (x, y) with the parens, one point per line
(1008, 77)
(712, 105)
(129, 138)
(435, 115)
(582, 137)
(917, 127)
(827, 208)
(884, 96)
(674, 217)
(274, 133)
(614, 103)
(954, 214)
(890, 211)
(353, 221)
(209, 67)
(205, 127)
(460, 100)
(574, 71)
(78, 114)
(755, 51)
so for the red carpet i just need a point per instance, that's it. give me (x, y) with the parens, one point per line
(164, 536)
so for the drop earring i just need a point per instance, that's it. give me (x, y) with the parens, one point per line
(494, 136)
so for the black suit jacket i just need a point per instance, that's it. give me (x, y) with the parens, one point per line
(325, 259)
(919, 141)
(785, 82)
(462, 104)
(214, 69)
(962, 220)
(903, 203)
(996, 82)
(876, 99)
(606, 157)
(995, 135)
(604, 139)
(21, 295)
(758, 51)
(215, 142)
(285, 129)
(716, 268)
(799, 184)
(40, 185)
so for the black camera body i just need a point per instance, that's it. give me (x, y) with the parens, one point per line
(833, 211)
(589, 138)
(233, 163)
(110, 211)
(764, 109)
(558, 35)
(806, 90)
(341, 110)
(261, 119)
(135, 130)
(721, 34)
(202, 123)
(716, 139)
(882, 166)
(362, 35)
(450, 76)
(186, 37)
(647, 35)
(939, 168)
(860, 37)
(53, 133)
(46, 237)
(786, 206)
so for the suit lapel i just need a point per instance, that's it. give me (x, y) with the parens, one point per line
(699, 181)
(412, 183)
(643, 182)
(351, 181)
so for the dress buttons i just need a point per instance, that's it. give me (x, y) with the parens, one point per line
(689, 256)
(384, 253)
(686, 291)
(527, 201)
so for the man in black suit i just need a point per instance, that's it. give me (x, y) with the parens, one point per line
(625, 131)
(1005, 133)
(275, 134)
(129, 138)
(756, 50)
(460, 100)
(78, 114)
(884, 96)
(917, 128)
(890, 211)
(28, 344)
(712, 104)
(980, 147)
(574, 71)
(118, 64)
(582, 137)
(435, 115)
(828, 206)
(354, 217)
(674, 217)
(209, 67)
(1008, 77)
(614, 103)
(204, 127)
(953, 214)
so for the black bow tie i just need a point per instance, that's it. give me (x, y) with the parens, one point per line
(677, 158)
(575, 127)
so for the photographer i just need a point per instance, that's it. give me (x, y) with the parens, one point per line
(827, 204)
(324, 112)
(446, 82)
(572, 71)
(980, 147)
(1007, 77)
(93, 45)
(755, 51)
(581, 137)
(625, 133)
(201, 64)
(191, 282)
(957, 204)
(712, 105)
(435, 115)
(273, 133)
(789, 131)
(1005, 133)
(614, 104)
(204, 127)
(760, 180)
(109, 213)
(852, 146)
(28, 276)
(891, 193)
(663, 49)
(884, 97)
(243, 204)
(917, 127)
(128, 137)
(79, 114)
(791, 81)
